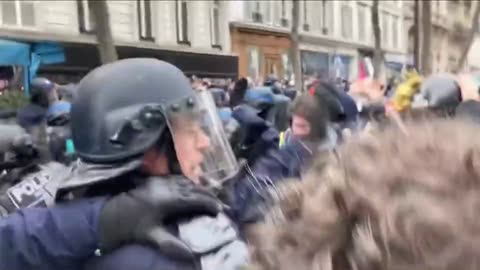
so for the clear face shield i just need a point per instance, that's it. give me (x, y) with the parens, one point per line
(202, 148)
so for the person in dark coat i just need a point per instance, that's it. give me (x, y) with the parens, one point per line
(238, 93)
(312, 133)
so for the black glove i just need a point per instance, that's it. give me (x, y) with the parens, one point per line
(139, 216)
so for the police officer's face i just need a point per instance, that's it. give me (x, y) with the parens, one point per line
(300, 127)
(191, 142)
(190, 145)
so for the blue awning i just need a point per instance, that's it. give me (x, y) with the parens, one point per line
(45, 53)
(14, 53)
(30, 56)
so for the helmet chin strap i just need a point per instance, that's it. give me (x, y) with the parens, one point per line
(166, 146)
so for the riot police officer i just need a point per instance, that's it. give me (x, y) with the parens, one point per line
(147, 139)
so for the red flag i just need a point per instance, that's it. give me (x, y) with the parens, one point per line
(362, 73)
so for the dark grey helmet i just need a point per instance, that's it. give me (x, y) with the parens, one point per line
(121, 108)
(441, 91)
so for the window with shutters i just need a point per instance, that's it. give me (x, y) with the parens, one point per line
(347, 23)
(266, 9)
(276, 10)
(275, 13)
(327, 17)
(182, 21)
(144, 11)
(86, 21)
(215, 24)
(395, 32)
(384, 29)
(254, 11)
(362, 26)
(284, 22)
(305, 15)
(18, 13)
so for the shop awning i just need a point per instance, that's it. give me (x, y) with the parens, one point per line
(81, 58)
(30, 56)
(14, 53)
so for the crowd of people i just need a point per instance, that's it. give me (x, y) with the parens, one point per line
(162, 172)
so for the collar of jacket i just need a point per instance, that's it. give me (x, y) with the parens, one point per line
(81, 174)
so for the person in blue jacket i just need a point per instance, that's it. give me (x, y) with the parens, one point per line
(312, 132)
(144, 156)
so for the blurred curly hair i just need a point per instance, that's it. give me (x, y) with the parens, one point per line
(397, 201)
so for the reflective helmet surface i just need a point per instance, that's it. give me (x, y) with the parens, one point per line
(128, 107)
(119, 110)
(42, 84)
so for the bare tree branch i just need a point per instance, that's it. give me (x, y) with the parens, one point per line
(378, 55)
(426, 40)
(106, 45)
(296, 61)
(416, 35)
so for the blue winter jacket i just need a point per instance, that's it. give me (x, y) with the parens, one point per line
(250, 195)
(63, 237)
(136, 257)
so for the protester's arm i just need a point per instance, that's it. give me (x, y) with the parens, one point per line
(250, 192)
(50, 238)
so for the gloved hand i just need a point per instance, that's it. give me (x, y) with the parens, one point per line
(139, 215)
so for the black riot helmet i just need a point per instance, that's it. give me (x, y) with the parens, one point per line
(124, 108)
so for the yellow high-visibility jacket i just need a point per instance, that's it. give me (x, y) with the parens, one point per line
(405, 91)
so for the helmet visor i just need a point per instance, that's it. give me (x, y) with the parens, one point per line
(203, 151)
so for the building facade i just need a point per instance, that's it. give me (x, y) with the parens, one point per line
(334, 36)
(340, 33)
(451, 22)
(191, 34)
(260, 36)
(474, 56)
